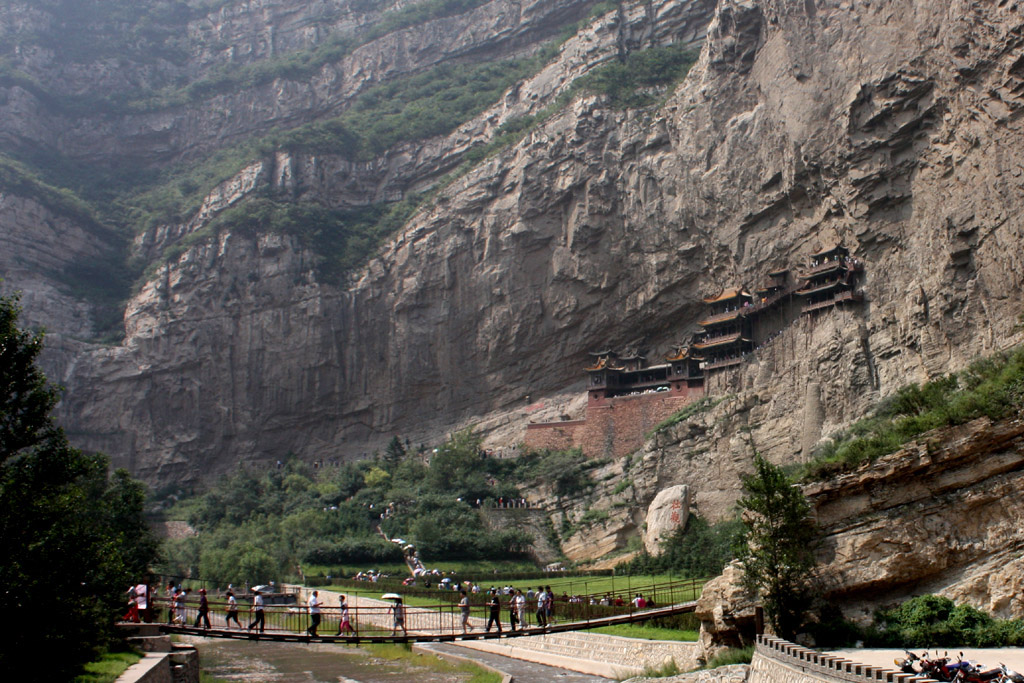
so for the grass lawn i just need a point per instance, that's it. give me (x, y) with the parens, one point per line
(646, 632)
(108, 668)
(400, 571)
(597, 585)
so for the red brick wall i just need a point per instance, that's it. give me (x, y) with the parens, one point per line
(614, 428)
(556, 436)
(618, 428)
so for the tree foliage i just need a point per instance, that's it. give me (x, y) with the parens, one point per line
(697, 549)
(258, 526)
(74, 538)
(777, 548)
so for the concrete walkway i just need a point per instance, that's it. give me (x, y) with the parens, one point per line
(520, 670)
(1012, 657)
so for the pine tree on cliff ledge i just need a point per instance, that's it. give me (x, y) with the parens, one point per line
(777, 546)
(73, 538)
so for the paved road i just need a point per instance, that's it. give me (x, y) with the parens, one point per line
(521, 671)
(1012, 657)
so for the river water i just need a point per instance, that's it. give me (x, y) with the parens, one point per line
(251, 661)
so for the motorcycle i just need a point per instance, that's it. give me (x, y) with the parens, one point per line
(1009, 675)
(938, 668)
(971, 672)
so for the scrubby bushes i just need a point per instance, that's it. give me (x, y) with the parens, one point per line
(931, 620)
(696, 549)
(634, 81)
(993, 387)
(695, 408)
(925, 621)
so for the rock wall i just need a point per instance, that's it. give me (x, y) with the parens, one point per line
(938, 517)
(533, 522)
(941, 516)
(892, 128)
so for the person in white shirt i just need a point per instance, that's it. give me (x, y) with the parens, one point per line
(519, 601)
(542, 608)
(345, 623)
(314, 613)
(142, 597)
(257, 611)
(232, 611)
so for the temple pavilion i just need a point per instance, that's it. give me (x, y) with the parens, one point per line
(725, 335)
(830, 280)
(612, 374)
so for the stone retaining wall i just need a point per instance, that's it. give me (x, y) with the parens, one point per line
(592, 653)
(180, 665)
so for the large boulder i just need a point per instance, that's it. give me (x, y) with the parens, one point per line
(666, 513)
(727, 612)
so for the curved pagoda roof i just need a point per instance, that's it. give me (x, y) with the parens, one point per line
(727, 295)
(681, 353)
(834, 249)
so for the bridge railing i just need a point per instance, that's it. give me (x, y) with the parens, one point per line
(373, 617)
(585, 589)
(365, 620)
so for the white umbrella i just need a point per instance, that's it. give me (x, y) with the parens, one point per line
(391, 596)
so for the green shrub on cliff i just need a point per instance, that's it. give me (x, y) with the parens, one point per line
(696, 549)
(992, 387)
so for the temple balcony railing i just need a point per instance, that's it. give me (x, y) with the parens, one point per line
(725, 363)
(839, 298)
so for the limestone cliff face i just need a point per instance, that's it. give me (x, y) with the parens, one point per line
(241, 34)
(942, 516)
(892, 128)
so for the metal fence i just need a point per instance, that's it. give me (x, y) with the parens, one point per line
(375, 618)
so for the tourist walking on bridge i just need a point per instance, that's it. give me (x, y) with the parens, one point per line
(519, 601)
(133, 606)
(179, 607)
(314, 614)
(345, 624)
(257, 611)
(204, 609)
(142, 596)
(397, 610)
(464, 608)
(232, 611)
(495, 606)
(542, 608)
(171, 594)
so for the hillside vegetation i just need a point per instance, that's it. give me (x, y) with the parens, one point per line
(262, 525)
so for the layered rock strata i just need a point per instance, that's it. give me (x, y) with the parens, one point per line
(891, 128)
